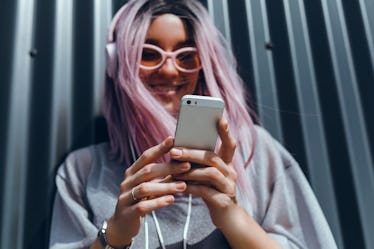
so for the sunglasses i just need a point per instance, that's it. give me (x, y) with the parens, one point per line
(185, 59)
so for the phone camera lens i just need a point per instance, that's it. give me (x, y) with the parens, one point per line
(188, 102)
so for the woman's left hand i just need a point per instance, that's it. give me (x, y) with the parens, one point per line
(215, 181)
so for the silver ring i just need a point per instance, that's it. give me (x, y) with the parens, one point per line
(133, 194)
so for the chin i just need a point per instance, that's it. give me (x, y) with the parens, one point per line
(172, 108)
(171, 104)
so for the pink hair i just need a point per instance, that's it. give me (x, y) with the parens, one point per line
(133, 113)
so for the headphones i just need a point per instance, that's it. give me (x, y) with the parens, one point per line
(110, 48)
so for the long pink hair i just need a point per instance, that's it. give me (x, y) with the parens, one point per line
(132, 113)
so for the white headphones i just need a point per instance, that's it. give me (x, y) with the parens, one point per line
(110, 48)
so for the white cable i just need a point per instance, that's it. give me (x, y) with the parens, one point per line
(132, 149)
(146, 232)
(186, 226)
(158, 230)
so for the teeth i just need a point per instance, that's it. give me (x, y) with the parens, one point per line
(165, 88)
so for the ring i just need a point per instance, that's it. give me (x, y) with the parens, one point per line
(133, 194)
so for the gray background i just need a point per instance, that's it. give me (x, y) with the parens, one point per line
(309, 66)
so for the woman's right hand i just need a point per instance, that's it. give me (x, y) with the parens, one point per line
(153, 188)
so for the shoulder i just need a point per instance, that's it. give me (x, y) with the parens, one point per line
(271, 173)
(269, 151)
(285, 204)
(79, 163)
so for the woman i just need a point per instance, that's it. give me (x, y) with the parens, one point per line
(139, 191)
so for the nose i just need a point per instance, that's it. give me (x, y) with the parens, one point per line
(168, 68)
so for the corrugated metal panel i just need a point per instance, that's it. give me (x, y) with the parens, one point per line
(308, 64)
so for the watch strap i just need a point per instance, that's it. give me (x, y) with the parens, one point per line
(101, 235)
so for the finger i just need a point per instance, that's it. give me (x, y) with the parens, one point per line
(151, 155)
(151, 190)
(166, 179)
(202, 157)
(153, 171)
(211, 196)
(211, 177)
(144, 207)
(202, 191)
(228, 146)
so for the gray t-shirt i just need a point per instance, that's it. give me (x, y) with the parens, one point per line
(283, 203)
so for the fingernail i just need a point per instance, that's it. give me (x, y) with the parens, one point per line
(169, 199)
(176, 152)
(181, 185)
(225, 126)
(168, 142)
(185, 165)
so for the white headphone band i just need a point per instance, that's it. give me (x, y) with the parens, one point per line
(111, 62)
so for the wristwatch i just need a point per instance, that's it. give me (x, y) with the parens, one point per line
(101, 235)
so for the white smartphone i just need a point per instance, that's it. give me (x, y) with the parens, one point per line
(197, 122)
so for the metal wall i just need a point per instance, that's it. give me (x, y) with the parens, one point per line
(309, 66)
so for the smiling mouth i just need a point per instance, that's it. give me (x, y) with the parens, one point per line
(165, 89)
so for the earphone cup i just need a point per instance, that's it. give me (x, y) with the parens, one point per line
(111, 64)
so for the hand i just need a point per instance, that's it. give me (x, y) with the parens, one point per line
(147, 186)
(216, 181)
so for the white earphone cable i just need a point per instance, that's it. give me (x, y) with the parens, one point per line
(146, 232)
(158, 229)
(185, 230)
(186, 226)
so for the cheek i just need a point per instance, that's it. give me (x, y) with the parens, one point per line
(142, 72)
(144, 76)
(192, 79)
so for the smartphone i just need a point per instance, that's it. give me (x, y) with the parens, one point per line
(197, 122)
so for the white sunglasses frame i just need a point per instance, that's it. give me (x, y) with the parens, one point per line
(165, 55)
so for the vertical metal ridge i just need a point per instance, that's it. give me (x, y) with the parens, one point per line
(354, 124)
(61, 119)
(218, 10)
(226, 17)
(102, 17)
(367, 10)
(311, 116)
(13, 218)
(263, 67)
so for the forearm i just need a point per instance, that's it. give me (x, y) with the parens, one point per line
(243, 232)
(96, 245)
